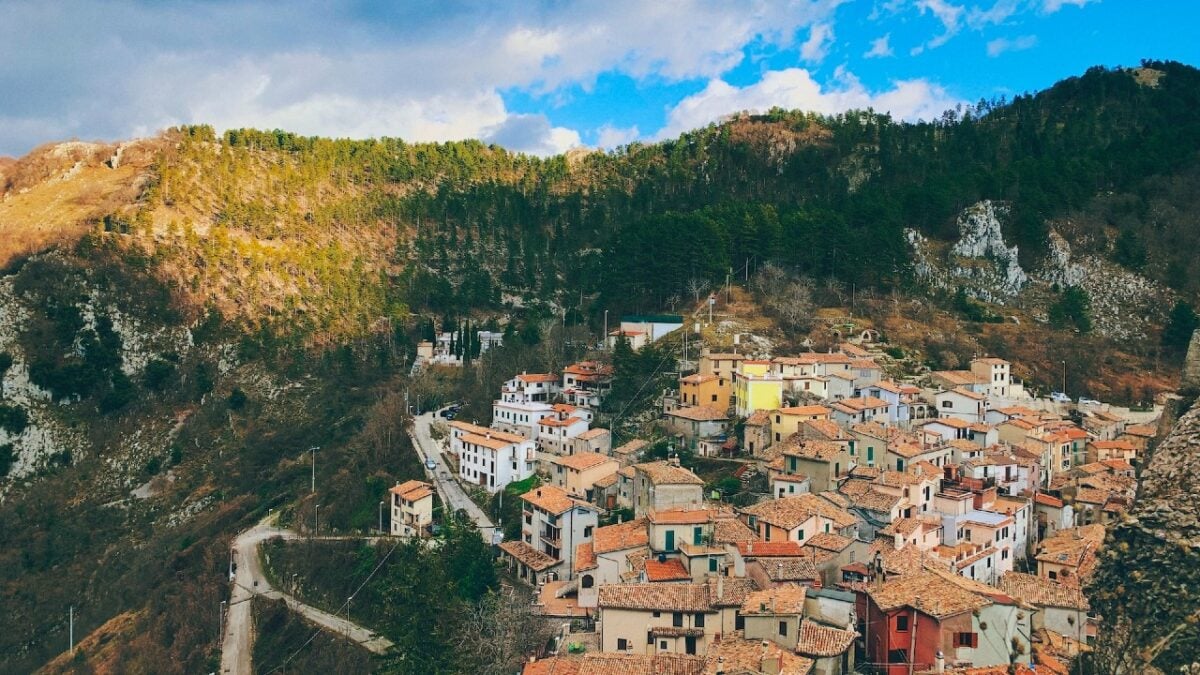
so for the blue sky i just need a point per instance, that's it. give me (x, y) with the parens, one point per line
(540, 77)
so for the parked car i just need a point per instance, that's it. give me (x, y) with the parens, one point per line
(431, 463)
(1059, 397)
(1088, 401)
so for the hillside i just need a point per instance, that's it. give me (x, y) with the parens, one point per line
(182, 317)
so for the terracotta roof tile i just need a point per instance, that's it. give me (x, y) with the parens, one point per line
(791, 512)
(528, 555)
(927, 592)
(669, 570)
(819, 640)
(583, 460)
(629, 534)
(552, 499)
(656, 597)
(733, 653)
(1042, 592)
(665, 473)
(782, 599)
(585, 557)
(700, 413)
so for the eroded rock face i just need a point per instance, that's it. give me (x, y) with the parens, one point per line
(1147, 587)
(980, 262)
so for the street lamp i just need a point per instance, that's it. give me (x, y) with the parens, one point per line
(315, 507)
(348, 599)
(314, 467)
(381, 517)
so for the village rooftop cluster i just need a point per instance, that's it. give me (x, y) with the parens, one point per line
(943, 524)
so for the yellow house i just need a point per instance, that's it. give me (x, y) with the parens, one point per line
(708, 390)
(786, 421)
(577, 474)
(756, 388)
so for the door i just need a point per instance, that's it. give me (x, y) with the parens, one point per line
(689, 644)
(670, 540)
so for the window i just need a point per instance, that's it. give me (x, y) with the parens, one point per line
(799, 535)
(670, 540)
(897, 656)
(622, 644)
(712, 564)
(587, 581)
(783, 628)
(739, 622)
(699, 620)
(677, 619)
(649, 638)
(966, 640)
(1053, 575)
(657, 614)
(714, 398)
(902, 623)
(870, 453)
(947, 403)
(697, 536)
(662, 644)
(587, 532)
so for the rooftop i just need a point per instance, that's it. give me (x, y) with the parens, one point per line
(665, 473)
(656, 597)
(791, 512)
(412, 490)
(733, 653)
(782, 599)
(528, 555)
(668, 570)
(630, 534)
(581, 461)
(552, 499)
(1042, 591)
(926, 592)
(820, 640)
(700, 413)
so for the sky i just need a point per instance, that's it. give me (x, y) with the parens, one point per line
(540, 77)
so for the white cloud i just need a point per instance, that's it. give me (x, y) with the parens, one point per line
(880, 48)
(1000, 45)
(608, 136)
(949, 15)
(816, 47)
(998, 13)
(1052, 6)
(423, 71)
(795, 88)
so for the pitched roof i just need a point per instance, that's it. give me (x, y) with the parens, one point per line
(585, 557)
(819, 640)
(828, 428)
(593, 433)
(468, 428)
(769, 549)
(733, 653)
(791, 512)
(612, 663)
(582, 460)
(528, 555)
(656, 597)
(537, 377)
(671, 569)
(829, 541)
(823, 451)
(792, 569)
(700, 413)
(782, 599)
(758, 418)
(552, 499)
(1042, 591)
(665, 473)
(860, 404)
(1075, 547)
(731, 530)
(697, 378)
(636, 445)
(620, 536)
(927, 592)
(487, 441)
(412, 490)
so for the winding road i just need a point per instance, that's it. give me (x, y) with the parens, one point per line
(249, 581)
(451, 493)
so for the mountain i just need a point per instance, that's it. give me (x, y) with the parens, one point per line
(181, 317)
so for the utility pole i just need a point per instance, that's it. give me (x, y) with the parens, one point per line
(605, 336)
(381, 517)
(71, 629)
(314, 468)
(1064, 389)
(315, 507)
(231, 563)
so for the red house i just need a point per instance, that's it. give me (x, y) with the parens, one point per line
(910, 619)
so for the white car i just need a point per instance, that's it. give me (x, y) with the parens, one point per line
(430, 463)
(1059, 397)
(1088, 401)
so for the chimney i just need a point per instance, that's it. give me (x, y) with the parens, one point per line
(939, 664)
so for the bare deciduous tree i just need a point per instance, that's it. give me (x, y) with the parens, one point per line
(504, 631)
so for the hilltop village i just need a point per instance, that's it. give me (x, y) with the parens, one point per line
(945, 523)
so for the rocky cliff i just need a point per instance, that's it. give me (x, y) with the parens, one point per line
(1147, 588)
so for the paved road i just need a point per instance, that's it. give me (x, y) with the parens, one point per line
(449, 490)
(249, 581)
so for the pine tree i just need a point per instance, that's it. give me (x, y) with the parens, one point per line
(1181, 323)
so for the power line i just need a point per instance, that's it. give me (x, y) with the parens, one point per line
(318, 630)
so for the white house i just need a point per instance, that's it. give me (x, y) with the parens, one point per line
(491, 458)
(962, 403)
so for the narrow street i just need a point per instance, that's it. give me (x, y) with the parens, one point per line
(451, 493)
(237, 644)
